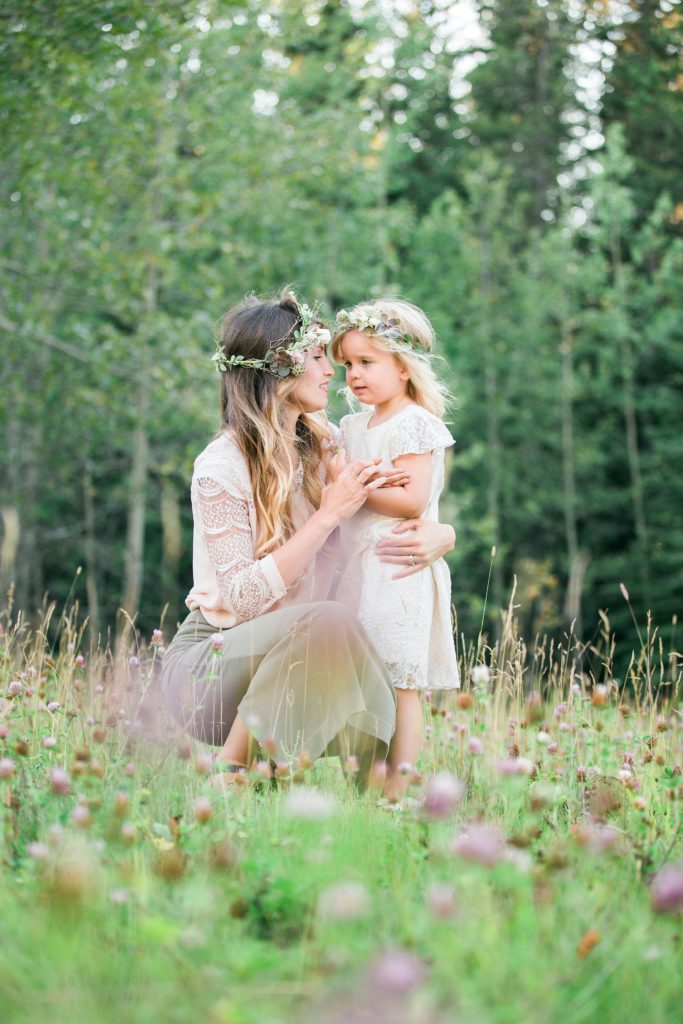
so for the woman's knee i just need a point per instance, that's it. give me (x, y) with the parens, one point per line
(333, 619)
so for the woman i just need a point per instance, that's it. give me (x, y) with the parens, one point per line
(262, 653)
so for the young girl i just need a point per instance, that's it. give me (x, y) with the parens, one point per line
(386, 347)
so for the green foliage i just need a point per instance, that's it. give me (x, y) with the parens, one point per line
(162, 159)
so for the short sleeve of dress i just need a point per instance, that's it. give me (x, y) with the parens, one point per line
(416, 433)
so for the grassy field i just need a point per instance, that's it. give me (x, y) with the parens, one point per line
(535, 876)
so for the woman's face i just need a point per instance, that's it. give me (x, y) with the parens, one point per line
(310, 391)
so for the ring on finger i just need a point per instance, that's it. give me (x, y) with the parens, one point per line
(412, 559)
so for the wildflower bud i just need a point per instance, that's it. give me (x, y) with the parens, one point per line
(662, 723)
(79, 661)
(184, 750)
(202, 809)
(553, 747)
(99, 734)
(480, 675)
(444, 793)
(599, 696)
(640, 803)
(53, 705)
(60, 781)
(128, 832)
(204, 764)
(479, 843)
(121, 803)
(37, 851)
(217, 642)
(442, 901)
(475, 746)
(80, 816)
(134, 661)
(307, 804)
(666, 894)
(345, 901)
(14, 688)
(396, 973)
(21, 747)
(157, 638)
(6, 767)
(464, 701)
(223, 855)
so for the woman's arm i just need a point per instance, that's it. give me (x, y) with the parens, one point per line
(416, 544)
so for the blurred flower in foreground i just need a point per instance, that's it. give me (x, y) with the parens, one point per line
(6, 767)
(515, 766)
(596, 837)
(157, 638)
(346, 901)
(396, 973)
(444, 793)
(442, 901)
(59, 781)
(202, 809)
(666, 893)
(479, 843)
(480, 675)
(308, 804)
(217, 642)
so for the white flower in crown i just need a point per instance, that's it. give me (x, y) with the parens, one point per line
(284, 360)
(380, 323)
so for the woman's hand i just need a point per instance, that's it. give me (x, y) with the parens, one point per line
(348, 492)
(416, 544)
(335, 462)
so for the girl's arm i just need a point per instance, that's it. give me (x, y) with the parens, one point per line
(410, 500)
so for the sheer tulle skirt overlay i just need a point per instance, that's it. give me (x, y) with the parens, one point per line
(304, 678)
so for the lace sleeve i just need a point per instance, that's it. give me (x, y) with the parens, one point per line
(417, 433)
(247, 585)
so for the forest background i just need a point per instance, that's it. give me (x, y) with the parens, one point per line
(513, 166)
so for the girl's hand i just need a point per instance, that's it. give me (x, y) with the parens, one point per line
(418, 543)
(348, 492)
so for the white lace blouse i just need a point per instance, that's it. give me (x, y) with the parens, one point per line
(231, 585)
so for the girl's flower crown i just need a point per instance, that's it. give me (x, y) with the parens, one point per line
(381, 323)
(283, 359)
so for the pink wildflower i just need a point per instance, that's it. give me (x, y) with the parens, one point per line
(79, 661)
(475, 746)
(666, 893)
(444, 793)
(396, 973)
(14, 688)
(6, 767)
(479, 843)
(60, 781)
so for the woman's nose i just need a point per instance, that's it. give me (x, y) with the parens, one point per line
(328, 368)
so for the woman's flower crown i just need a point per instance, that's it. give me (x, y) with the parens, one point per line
(283, 359)
(381, 323)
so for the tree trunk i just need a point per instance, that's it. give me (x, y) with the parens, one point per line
(91, 558)
(172, 540)
(577, 561)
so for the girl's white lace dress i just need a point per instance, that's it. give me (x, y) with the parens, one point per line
(407, 620)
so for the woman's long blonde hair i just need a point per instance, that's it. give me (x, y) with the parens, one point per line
(423, 387)
(253, 402)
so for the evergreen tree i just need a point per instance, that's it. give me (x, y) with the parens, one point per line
(643, 92)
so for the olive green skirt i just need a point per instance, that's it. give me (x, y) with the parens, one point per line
(304, 679)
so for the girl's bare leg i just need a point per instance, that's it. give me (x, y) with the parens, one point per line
(406, 744)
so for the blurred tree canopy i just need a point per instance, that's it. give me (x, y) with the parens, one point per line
(513, 167)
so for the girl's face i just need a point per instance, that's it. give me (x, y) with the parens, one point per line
(309, 393)
(374, 376)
